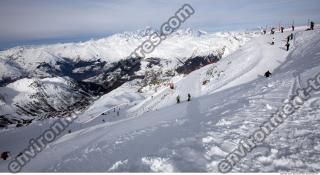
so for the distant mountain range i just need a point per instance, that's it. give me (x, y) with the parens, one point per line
(54, 80)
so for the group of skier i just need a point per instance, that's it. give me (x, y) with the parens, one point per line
(272, 32)
(178, 98)
(288, 39)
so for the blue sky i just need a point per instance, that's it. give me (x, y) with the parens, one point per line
(37, 21)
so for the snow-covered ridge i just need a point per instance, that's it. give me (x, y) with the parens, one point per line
(43, 98)
(181, 44)
(24, 61)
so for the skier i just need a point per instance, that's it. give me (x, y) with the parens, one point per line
(291, 36)
(267, 74)
(311, 25)
(5, 155)
(292, 27)
(264, 32)
(171, 86)
(273, 40)
(272, 31)
(288, 45)
(288, 38)
(189, 97)
(282, 28)
(178, 99)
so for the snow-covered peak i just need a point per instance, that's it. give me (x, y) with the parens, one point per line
(190, 32)
(140, 33)
(182, 45)
(119, 46)
(147, 31)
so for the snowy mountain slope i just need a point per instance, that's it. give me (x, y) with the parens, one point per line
(244, 65)
(44, 98)
(195, 136)
(122, 97)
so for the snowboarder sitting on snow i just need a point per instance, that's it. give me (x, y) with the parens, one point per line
(189, 97)
(178, 99)
(273, 40)
(267, 74)
(288, 46)
(5, 155)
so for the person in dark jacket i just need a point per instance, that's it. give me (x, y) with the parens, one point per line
(171, 86)
(311, 25)
(189, 97)
(292, 27)
(267, 74)
(288, 38)
(282, 28)
(272, 31)
(178, 99)
(291, 36)
(5, 155)
(288, 46)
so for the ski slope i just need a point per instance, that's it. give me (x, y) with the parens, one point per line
(158, 135)
(244, 65)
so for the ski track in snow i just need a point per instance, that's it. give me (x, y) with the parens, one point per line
(161, 136)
